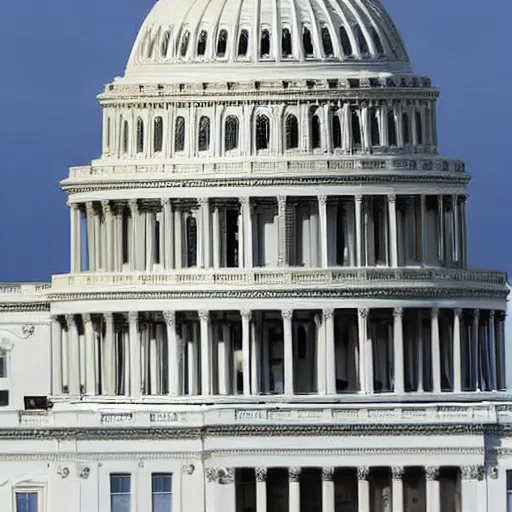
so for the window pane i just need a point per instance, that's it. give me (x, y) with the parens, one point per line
(162, 502)
(26, 502)
(162, 482)
(120, 503)
(119, 484)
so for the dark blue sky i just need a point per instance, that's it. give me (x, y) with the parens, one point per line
(57, 54)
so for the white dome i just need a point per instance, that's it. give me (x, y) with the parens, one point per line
(265, 39)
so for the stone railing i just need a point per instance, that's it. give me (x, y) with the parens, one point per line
(21, 291)
(194, 415)
(339, 277)
(237, 168)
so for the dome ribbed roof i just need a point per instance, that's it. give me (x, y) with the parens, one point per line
(352, 35)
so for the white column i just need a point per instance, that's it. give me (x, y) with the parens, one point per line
(328, 500)
(246, 351)
(149, 218)
(135, 354)
(153, 358)
(224, 358)
(440, 218)
(76, 242)
(433, 489)
(178, 238)
(255, 360)
(287, 315)
(216, 237)
(90, 359)
(420, 351)
(248, 234)
(91, 250)
(436, 351)
(73, 356)
(398, 489)
(393, 230)
(205, 353)
(241, 235)
(363, 485)
(168, 239)
(98, 245)
(108, 238)
(192, 342)
(359, 231)
(464, 227)
(324, 244)
(134, 210)
(57, 381)
(475, 349)
(206, 233)
(423, 222)
(108, 356)
(321, 358)
(261, 489)
(173, 357)
(456, 229)
(330, 352)
(398, 338)
(457, 356)
(470, 476)
(362, 320)
(294, 489)
(281, 212)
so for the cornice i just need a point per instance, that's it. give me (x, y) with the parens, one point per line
(24, 307)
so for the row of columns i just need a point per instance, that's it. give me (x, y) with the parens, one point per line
(106, 228)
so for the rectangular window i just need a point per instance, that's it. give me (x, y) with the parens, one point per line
(120, 492)
(509, 491)
(27, 502)
(3, 366)
(161, 491)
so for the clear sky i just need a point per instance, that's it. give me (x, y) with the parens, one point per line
(58, 54)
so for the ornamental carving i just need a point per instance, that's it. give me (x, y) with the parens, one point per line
(225, 476)
(473, 472)
(363, 472)
(398, 313)
(287, 314)
(294, 474)
(83, 472)
(328, 314)
(170, 318)
(63, 472)
(432, 472)
(261, 474)
(211, 475)
(397, 472)
(328, 474)
(189, 468)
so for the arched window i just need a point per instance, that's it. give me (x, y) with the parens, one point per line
(262, 132)
(140, 135)
(346, 45)
(164, 50)
(361, 40)
(243, 43)
(316, 134)
(201, 43)
(126, 135)
(184, 43)
(286, 43)
(307, 43)
(419, 128)
(376, 41)
(392, 140)
(327, 42)
(336, 131)
(356, 128)
(265, 43)
(406, 128)
(179, 134)
(158, 134)
(231, 133)
(203, 140)
(374, 127)
(222, 43)
(292, 132)
(191, 227)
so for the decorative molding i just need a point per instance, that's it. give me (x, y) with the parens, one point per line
(328, 474)
(294, 474)
(397, 472)
(189, 468)
(261, 474)
(473, 472)
(363, 472)
(432, 472)
(63, 472)
(210, 474)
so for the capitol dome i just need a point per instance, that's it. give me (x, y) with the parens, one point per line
(276, 37)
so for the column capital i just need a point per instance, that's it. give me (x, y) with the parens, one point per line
(89, 206)
(328, 313)
(476, 313)
(203, 314)
(246, 314)
(245, 201)
(109, 316)
(106, 208)
(473, 472)
(164, 201)
(70, 321)
(294, 474)
(287, 314)
(359, 198)
(202, 201)
(322, 200)
(281, 200)
(432, 473)
(434, 312)
(74, 206)
(398, 313)
(392, 198)
(170, 318)
(328, 474)
(397, 472)
(87, 318)
(363, 472)
(133, 316)
(492, 314)
(55, 318)
(457, 312)
(261, 474)
(133, 204)
(363, 313)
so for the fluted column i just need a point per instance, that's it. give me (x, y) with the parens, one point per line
(287, 315)
(246, 351)
(204, 319)
(423, 231)
(135, 353)
(90, 360)
(500, 318)
(398, 488)
(324, 244)
(178, 237)
(109, 355)
(330, 364)
(224, 360)
(359, 230)
(294, 489)
(281, 212)
(328, 503)
(173, 356)
(134, 211)
(321, 358)
(433, 489)
(206, 232)
(393, 230)
(362, 320)
(363, 484)
(440, 219)
(247, 224)
(57, 381)
(436, 351)
(91, 245)
(475, 349)
(491, 334)
(398, 336)
(73, 355)
(168, 231)
(76, 239)
(457, 355)
(109, 241)
(261, 489)
(216, 237)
